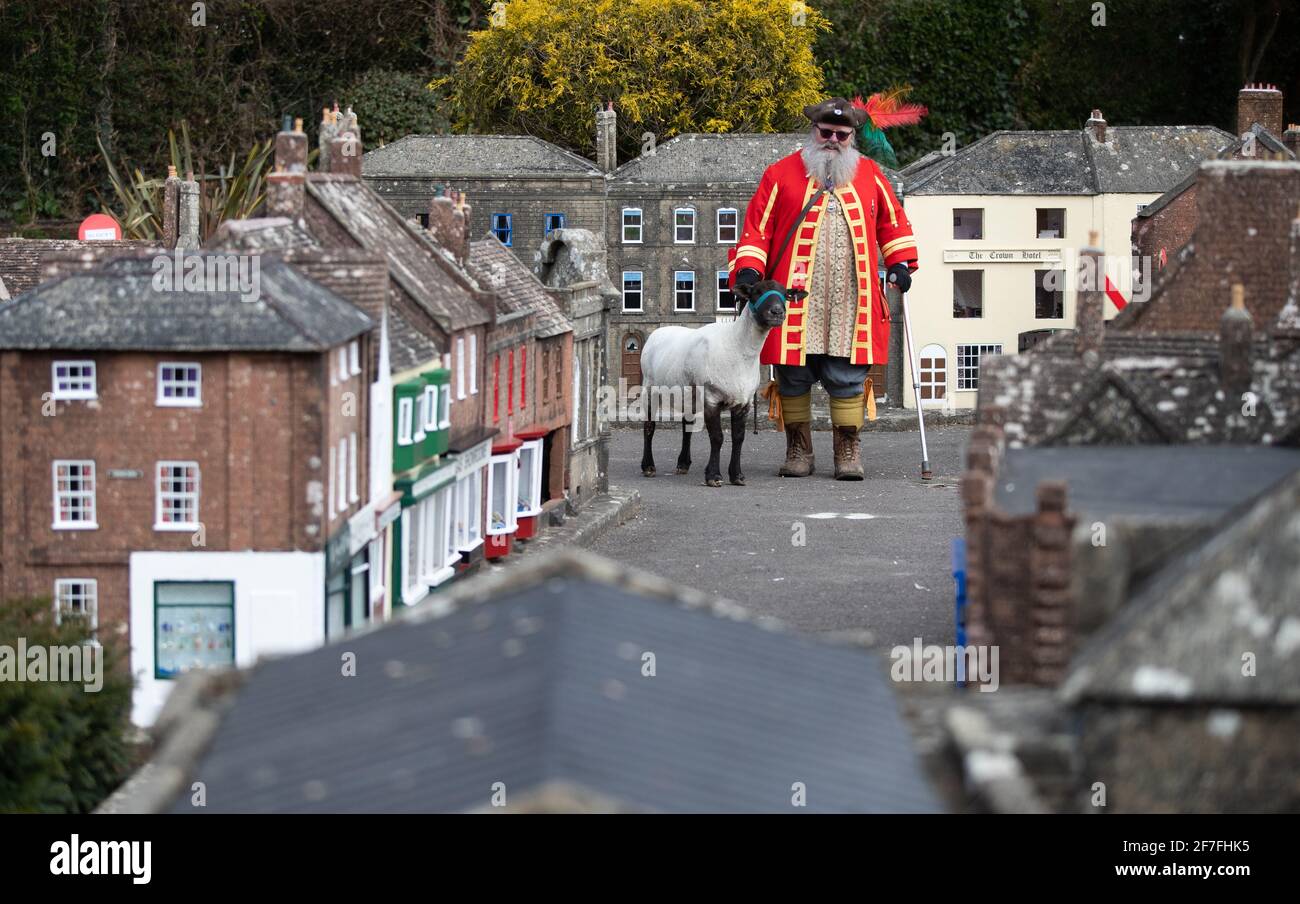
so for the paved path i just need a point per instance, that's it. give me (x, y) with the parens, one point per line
(882, 563)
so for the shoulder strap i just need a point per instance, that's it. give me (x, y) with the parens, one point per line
(797, 223)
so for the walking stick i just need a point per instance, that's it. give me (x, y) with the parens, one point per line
(916, 385)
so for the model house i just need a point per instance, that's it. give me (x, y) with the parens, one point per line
(997, 221)
(178, 462)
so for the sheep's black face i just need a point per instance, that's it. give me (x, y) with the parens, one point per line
(767, 299)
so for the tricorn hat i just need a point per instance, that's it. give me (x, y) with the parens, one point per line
(837, 110)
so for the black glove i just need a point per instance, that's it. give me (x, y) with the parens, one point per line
(746, 277)
(899, 276)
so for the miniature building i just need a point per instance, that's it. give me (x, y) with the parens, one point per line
(1164, 226)
(167, 471)
(997, 220)
(548, 688)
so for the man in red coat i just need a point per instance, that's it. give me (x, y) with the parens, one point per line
(821, 222)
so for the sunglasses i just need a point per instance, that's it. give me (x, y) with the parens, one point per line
(837, 134)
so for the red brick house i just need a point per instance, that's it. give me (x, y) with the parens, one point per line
(178, 459)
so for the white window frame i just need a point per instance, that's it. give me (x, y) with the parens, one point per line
(343, 473)
(405, 421)
(90, 507)
(460, 367)
(164, 401)
(473, 363)
(342, 364)
(78, 394)
(469, 510)
(530, 455)
(421, 416)
(508, 464)
(413, 588)
(640, 309)
(353, 495)
(723, 277)
(444, 408)
(639, 226)
(982, 349)
(734, 227)
(354, 357)
(90, 599)
(429, 407)
(333, 475)
(159, 523)
(676, 308)
(691, 226)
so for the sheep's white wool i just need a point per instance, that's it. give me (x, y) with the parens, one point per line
(720, 357)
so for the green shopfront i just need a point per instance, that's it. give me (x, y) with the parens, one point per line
(425, 547)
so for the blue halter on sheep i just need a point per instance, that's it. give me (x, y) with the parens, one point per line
(721, 361)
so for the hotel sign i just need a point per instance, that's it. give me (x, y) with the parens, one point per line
(472, 459)
(997, 256)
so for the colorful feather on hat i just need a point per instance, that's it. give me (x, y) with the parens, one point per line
(885, 109)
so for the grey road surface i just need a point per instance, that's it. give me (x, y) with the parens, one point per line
(874, 554)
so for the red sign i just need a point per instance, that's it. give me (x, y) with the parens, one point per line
(99, 227)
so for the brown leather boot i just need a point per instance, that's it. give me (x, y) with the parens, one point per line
(798, 450)
(848, 461)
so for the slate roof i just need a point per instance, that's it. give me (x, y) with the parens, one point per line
(21, 259)
(1181, 639)
(408, 348)
(116, 307)
(495, 267)
(535, 677)
(1146, 389)
(423, 270)
(1193, 483)
(1133, 159)
(697, 157)
(473, 156)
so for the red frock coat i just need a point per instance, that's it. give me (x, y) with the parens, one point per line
(877, 224)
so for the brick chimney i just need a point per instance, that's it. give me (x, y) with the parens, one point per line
(171, 206)
(1236, 333)
(449, 224)
(1097, 125)
(286, 185)
(1291, 138)
(1261, 104)
(1090, 316)
(187, 214)
(607, 138)
(345, 146)
(329, 129)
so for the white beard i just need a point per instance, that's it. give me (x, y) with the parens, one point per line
(830, 166)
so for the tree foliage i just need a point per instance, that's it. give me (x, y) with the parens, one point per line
(395, 104)
(63, 749)
(669, 66)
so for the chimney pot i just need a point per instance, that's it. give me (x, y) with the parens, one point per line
(1097, 124)
(607, 138)
(1236, 335)
(1090, 316)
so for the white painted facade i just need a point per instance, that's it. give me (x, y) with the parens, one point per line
(1009, 253)
(279, 607)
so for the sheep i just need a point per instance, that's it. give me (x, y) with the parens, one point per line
(722, 360)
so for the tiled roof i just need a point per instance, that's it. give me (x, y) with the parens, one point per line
(1183, 637)
(427, 276)
(535, 678)
(1133, 159)
(21, 259)
(699, 157)
(116, 307)
(496, 269)
(1147, 389)
(473, 156)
